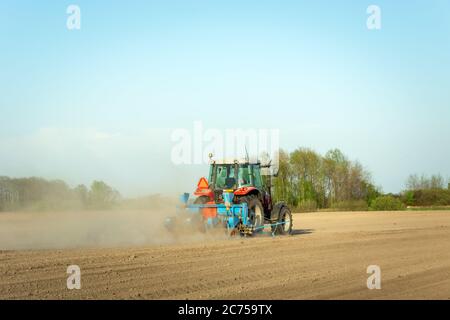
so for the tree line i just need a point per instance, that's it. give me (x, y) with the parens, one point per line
(307, 180)
(426, 191)
(41, 194)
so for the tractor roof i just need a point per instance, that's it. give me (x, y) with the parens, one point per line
(233, 161)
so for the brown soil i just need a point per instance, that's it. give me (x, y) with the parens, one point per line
(326, 258)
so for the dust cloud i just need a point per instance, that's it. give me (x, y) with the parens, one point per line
(51, 230)
(85, 229)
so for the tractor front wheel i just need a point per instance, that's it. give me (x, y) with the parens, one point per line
(284, 225)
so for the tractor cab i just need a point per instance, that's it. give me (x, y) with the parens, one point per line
(235, 176)
(242, 178)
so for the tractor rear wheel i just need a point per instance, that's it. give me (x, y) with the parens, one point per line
(255, 210)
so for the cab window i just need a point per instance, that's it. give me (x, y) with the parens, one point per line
(257, 177)
(225, 177)
(243, 176)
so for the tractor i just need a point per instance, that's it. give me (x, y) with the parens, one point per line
(235, 197)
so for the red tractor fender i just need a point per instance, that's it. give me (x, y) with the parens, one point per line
(242, 191)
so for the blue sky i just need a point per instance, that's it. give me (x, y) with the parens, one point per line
(100, 102)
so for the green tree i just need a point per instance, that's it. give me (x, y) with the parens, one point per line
(336, 167)
(307, 176)
(82, 194)
(282, 181)
(387, 203)
(102, 196)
